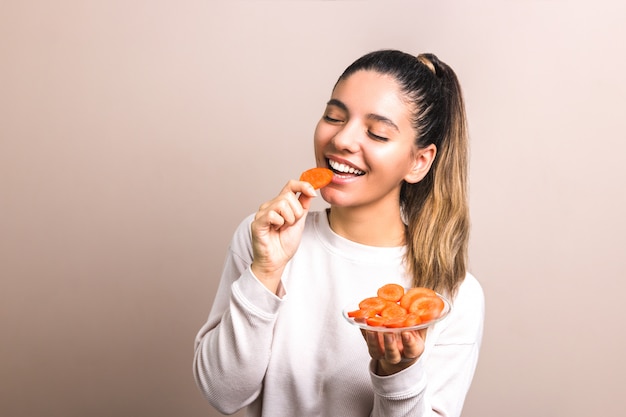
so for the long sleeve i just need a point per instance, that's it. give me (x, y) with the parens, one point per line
(232, 349)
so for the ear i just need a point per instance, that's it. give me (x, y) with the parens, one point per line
(423, 160)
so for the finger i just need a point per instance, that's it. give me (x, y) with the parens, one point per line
(302, 187)
(263, 207)
(293, 187)
(374, 344)
(287, 209)
(297, 206)
(305, 190)
(307, 194)
(392, 352)
(412, 345)
(298, 194)
(271, 219)
(285, 204)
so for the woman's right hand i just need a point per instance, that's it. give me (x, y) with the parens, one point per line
(277, 230)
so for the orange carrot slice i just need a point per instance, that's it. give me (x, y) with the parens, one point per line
(391, 292)
(395, 322)
(318, 177)
(427, 307)
(412, 319)
(413, 293)
(376, 321)
(374, 303)
(393, 310)
(362, 313)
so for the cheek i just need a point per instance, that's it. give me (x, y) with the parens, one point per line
(397, 163)
(319, 133)
(321, 137)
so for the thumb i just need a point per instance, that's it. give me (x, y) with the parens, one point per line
(306, 196)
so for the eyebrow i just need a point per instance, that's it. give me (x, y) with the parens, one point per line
(371, 116)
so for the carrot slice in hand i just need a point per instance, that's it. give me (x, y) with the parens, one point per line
(318, 177)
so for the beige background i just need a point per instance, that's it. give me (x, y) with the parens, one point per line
(135, 135)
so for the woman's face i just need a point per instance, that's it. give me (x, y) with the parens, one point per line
(365, 136)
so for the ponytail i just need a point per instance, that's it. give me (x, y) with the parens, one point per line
(436, 209)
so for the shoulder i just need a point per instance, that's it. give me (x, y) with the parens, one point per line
(470, 288)
(243, 229)
(470, 298)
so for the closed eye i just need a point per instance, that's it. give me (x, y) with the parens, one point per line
(331, 119)
(376, 137)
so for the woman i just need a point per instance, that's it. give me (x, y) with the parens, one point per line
(394, 134)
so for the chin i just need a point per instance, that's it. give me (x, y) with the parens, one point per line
(334, 197)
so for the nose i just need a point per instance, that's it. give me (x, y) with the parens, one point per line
(347, 138)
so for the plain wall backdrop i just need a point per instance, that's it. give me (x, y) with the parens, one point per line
(135, 135)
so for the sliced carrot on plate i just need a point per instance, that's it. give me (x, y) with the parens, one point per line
(412, 319)
(375, 303)
(396, 308)
(395, 322)
(428, 308)
(413, 293)
(362, 313)
(391, 292)
(376, 321)
(393, 310)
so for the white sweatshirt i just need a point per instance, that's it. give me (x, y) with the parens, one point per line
(295, 355)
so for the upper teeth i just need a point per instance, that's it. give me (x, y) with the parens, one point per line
(344, 168)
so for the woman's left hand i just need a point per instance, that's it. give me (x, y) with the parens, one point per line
(395, 351)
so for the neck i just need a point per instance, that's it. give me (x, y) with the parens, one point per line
(373, 227)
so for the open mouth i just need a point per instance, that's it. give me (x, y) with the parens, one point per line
(343, 169)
